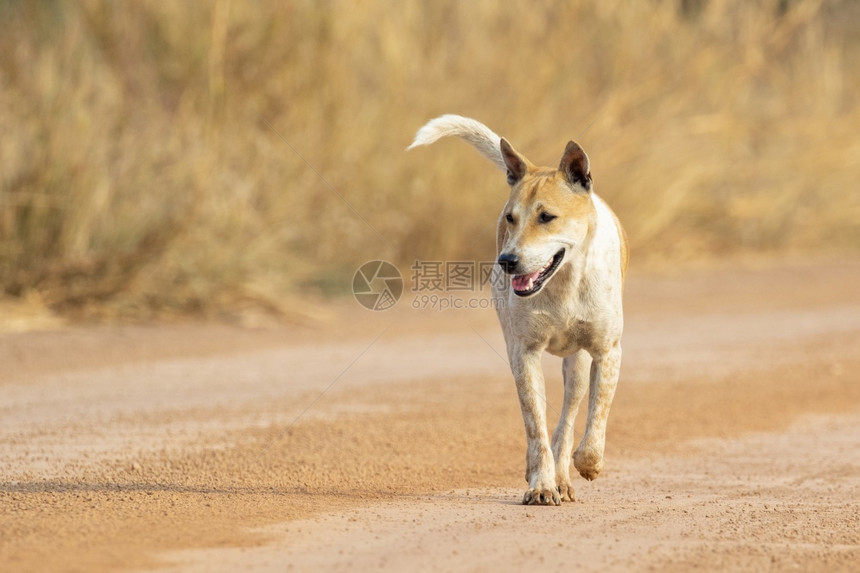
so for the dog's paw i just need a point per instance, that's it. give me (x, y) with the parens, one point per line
(540, 496)
(588, 463)
(565, 492)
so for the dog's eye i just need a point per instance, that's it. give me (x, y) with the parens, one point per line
(545, 217)
(509, 218)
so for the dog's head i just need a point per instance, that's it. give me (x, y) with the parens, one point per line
(548, 217)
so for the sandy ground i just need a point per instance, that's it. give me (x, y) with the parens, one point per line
(393, 441)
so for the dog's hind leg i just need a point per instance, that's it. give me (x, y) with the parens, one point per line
(540, 466)
(605, 367)
(576, 372)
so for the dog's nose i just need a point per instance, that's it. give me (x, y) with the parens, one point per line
(508, 262)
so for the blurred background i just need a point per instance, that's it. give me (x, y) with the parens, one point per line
(163, 158)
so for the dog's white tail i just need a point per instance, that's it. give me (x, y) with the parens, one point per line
(476, 133)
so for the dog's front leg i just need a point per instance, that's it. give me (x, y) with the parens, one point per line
(605, 368)
(540, 467)
(576, 371)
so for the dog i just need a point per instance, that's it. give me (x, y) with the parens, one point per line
(562, 255)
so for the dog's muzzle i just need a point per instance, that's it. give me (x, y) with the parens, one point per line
(530, 283)
(509, 262)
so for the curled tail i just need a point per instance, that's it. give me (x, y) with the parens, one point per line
(474, 132)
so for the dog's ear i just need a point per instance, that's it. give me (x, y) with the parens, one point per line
(575, 166)
(516, 164)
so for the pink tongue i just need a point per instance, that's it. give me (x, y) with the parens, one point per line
(524, 282)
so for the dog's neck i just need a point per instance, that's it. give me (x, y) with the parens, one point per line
(572, 274)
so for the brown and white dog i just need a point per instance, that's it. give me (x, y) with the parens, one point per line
(566, 255)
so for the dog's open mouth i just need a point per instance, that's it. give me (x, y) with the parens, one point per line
(525, 285)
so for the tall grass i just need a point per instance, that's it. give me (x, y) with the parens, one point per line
(164, 157)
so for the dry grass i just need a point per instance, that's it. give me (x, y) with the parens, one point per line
(150, 150)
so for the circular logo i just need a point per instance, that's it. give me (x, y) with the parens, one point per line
(377, 285)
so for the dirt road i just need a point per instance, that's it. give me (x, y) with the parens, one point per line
(393, 441)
